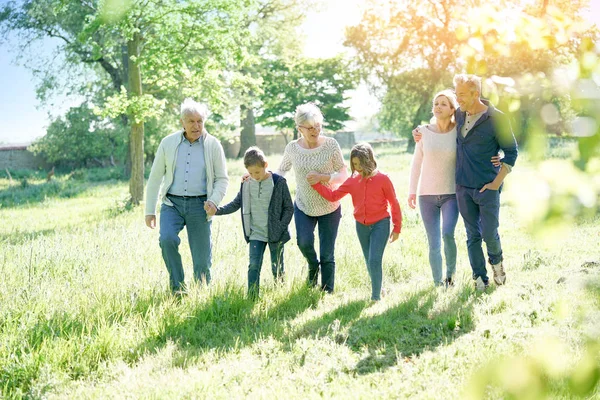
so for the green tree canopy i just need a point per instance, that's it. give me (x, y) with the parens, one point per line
(289, 84)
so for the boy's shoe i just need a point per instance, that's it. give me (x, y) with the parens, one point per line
(480, 285)
(499, 274)
(449, 282)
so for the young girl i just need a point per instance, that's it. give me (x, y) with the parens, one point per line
(372, 191)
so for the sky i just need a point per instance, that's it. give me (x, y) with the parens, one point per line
(22, 118)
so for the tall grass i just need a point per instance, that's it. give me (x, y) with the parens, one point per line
(85, 310)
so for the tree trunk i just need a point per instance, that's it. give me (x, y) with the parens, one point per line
(248, 133)
(425, 105)
(136, 137)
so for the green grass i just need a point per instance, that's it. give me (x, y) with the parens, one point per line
(85, 312)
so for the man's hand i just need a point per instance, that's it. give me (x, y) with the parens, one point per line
(210, 208)
(412, 201)
(314, 177)
(496, 161)
(151, 221)
(489, 186)
(417, 135)
(394, 236)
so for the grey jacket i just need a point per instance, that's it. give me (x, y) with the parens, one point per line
(281, 210)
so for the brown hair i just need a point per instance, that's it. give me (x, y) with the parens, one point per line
(364, 153)
(254, 156)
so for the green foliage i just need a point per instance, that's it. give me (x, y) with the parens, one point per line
(287, 84)
(81, 138)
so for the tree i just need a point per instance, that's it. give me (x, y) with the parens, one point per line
(79, 139)
(272, 27)
(408, 50)
(289, 84)
(170, 48)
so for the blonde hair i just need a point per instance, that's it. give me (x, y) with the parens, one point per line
(473, 81)
(449, 94)
(364, 153)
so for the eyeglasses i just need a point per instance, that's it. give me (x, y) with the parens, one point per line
(315, 128)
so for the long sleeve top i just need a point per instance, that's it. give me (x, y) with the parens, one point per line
(325, 159)
(372, 198)
(433, 165)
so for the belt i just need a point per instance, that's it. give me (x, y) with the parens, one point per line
(186, 197)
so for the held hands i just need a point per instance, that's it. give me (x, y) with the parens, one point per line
(151, 221)
(412, 201)
(245, 177)
(314, 177)
(210, 208)
(394, 236)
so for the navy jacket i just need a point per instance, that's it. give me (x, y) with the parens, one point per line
(281, 210)
(490, 133)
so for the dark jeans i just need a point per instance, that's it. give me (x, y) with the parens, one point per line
(373, 239)
(439, 210)
(305, 235)
(188, 212)
(256, 253)
(480, 212)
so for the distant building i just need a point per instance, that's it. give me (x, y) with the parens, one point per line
(16, 156)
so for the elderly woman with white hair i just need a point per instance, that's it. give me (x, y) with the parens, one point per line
(315, 158)
(190, 164)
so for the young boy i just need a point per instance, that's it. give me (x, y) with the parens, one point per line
(267, 210)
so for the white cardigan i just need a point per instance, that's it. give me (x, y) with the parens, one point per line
(163, 169)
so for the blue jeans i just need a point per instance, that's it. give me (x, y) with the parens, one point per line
(432, 207)
(373, 239)
(256, 253)
(480, 212)
(188, 212)
(305, 235)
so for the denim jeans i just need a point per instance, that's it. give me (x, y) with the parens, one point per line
(432, 207)
(480, 212)
(256, 253)
(188, 212)
(305, 235)
(373, 239)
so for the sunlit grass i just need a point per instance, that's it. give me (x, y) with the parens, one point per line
(85, 311)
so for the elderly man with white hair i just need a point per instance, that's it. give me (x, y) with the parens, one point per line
(190, 164)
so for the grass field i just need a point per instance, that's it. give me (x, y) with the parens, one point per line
(85, 311)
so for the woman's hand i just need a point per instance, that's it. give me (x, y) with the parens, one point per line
(412, 201)
(394, 236)
(245, 177)
(313, 177)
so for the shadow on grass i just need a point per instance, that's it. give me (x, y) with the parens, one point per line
(401, 331)
(26, 194)
(18, 237)
(228, 320)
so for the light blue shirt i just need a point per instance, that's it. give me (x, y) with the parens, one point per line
(189, 178)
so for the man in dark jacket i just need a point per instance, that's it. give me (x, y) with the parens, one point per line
(267, 211)
(482, 131)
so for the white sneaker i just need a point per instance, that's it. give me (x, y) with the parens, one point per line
(480, 285)
(499, 274)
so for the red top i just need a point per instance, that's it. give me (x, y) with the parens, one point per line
(370, 197)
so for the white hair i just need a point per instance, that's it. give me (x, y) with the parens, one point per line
(473, 81)
(190, 106)
(308, 112)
